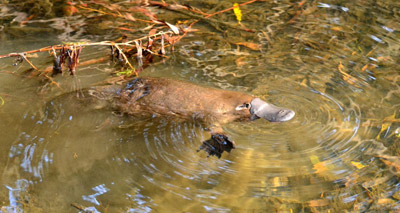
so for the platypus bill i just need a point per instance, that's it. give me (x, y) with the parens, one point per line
(149, 96)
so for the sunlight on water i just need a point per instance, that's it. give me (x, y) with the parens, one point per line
(336, 65)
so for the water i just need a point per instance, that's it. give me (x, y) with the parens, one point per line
(334, 62)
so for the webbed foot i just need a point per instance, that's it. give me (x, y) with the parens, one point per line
(217, 144)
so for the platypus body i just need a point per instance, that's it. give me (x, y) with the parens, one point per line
(160, 96)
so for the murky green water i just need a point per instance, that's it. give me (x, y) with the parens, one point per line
(336, 63)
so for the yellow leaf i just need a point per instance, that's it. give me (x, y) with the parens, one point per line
(387, 122)
(337, 28)
(341, 67)
(364, 68)
(358, 165)
(238, 12)
(126, 72)
(320, 167)
(304, 83)
(276, 182)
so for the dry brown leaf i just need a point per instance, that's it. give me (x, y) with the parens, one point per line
(250, 45)
(129, 17)
(337, 29)
(70, 10)
(318, 203)
(383, 58)
(346, 77)
(173, 28)
(126, 29)
(393, 164)
(385, 201)
(240, 61)
(152, 32)
(368, 66)
(304, 83)
(364, 68)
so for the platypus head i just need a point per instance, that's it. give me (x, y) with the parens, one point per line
(261, 109)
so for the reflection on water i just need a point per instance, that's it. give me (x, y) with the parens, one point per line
(334, 62)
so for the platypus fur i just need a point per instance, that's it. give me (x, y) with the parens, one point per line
(162, 96)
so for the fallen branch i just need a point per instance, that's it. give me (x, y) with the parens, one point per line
(85, 44)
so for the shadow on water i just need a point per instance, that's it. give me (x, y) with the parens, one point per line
(335, 63)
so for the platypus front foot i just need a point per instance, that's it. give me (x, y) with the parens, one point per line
(217, 144)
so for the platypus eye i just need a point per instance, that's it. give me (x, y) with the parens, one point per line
(243, 106)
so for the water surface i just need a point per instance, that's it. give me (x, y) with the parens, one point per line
(336, 63)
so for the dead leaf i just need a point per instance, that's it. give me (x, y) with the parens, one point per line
(173, 28)
(126, 29)
(304, 83)
(368, 66)
(387, 121)
(358, 165)
(337, 29)
(71, 10)
(386, 201)
(383, 58)
(249, 45)
(318, 203)
(152, 32)
(346, 77)
(172, 39)
(320, 167)
(391, 164)
(191, 29)
(129, 17)
(391, 118)
(240, 61)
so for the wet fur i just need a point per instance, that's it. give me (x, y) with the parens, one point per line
(181, 99)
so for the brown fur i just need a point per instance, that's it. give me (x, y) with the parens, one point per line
(160, 96)
(182, 99)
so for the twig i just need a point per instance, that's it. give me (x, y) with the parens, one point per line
(53, 82)
(112, 14)
(26, 59)
(80, 207)
(125, 58)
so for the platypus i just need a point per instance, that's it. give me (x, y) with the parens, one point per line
(162, 96)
